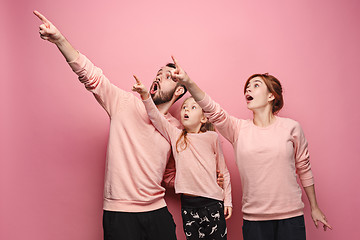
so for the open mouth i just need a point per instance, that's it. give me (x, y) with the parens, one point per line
(154, 87)
(249, 98)
(186, 116)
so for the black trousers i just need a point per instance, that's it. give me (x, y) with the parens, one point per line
(203, 218)
(153, 225)
(284, 229)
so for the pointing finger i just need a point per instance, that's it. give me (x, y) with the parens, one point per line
(326, 225)
(42, 18)
(137, 80)
(175, 62)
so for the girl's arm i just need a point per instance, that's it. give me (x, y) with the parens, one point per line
(157, 119)
(221, 165)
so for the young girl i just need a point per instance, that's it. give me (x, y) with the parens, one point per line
(269, 151)
(198, 156)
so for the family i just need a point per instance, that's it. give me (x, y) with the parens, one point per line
(149, 149)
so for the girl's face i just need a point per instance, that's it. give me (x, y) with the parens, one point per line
(257, 94)
(192, 116)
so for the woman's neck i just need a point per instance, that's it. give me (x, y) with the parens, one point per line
(263, 118)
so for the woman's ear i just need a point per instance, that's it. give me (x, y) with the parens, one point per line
(271, 97)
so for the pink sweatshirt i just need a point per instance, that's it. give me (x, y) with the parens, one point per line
(196, 165)
(137, 153)
(268, 160)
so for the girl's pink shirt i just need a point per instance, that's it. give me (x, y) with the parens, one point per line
(196, 165)
(268, 159)
(137, 154)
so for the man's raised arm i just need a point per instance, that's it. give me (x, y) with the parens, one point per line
(50, 33)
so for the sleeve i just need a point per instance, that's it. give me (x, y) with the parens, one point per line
(302, 163)
(227, 125)
(107, 94)
(170, 172)
(159, 121)
(221, 165)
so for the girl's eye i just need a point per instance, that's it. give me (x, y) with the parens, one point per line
(168, 77)
(193, 107)
(256, 85)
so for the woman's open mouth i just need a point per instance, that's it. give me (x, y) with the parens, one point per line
(249, 98)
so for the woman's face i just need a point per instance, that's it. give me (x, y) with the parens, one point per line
(257, 94)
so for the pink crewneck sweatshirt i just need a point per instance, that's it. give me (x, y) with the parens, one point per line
(137, 153)
(196, 165)
(268, 160)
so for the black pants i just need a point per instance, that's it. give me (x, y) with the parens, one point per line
(284, 229)
(203, 218)
(153, 225)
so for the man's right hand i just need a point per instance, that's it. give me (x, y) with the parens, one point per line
(48, 31)
(140, 88)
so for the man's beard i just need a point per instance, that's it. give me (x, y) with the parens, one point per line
(162, 97)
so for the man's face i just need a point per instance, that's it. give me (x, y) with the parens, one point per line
(163, 87)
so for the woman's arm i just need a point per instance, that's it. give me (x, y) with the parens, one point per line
(179, 75)
(303, 169)
(227, 125)
(316, 213)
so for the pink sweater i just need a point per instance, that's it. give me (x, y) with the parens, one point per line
(137, 154)
(196, 165)
(268, 160)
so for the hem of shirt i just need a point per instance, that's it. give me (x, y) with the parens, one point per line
(226, 204)
(132, 206)
(274, 216)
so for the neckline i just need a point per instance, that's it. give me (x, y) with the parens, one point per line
(267, 127)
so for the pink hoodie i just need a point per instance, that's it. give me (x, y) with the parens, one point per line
(268, 160)
(137, 154)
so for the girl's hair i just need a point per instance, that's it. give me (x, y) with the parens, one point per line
(274, 86)
(182, 141)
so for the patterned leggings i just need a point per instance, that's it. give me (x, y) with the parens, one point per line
(203, 218)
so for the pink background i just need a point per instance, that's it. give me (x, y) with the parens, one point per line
(54, 134)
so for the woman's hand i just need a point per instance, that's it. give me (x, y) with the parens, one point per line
(140, 88)
(318, 215)
(179, 75)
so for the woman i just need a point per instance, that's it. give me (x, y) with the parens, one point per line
(269, 151)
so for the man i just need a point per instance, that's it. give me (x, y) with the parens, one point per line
(134, 205)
